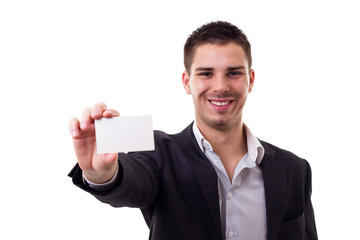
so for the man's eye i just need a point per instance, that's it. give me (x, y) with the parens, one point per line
(207, 74)
(234, 73)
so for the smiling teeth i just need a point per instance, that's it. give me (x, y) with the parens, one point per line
(220, 103)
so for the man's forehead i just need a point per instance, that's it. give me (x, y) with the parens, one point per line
(217, 46)
(211, 56)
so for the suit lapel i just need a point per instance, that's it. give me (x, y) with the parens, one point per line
(204, 172)
(275, 181)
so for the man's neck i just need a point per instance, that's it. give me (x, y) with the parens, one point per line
(231, 141)
(229, 144)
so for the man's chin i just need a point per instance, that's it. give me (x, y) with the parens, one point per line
(221, 125)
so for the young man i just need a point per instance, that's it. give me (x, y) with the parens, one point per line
(215, 179)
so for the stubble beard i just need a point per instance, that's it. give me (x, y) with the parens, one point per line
(219, 124)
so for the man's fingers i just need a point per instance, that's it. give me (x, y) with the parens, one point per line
(109, 113)
(98, 110)
(74, 127)
(86, 119)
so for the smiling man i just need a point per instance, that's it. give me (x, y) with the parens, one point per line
(220, 81)
(215, 179)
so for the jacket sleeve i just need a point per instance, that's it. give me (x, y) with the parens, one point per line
(310, 227)
(137, 183)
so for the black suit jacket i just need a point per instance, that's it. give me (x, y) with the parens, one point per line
(176, 189)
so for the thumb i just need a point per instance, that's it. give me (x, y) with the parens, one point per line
(110, 158)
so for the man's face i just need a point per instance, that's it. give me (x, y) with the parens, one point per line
(219, 83)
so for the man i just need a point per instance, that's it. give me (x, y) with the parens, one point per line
(215, 179)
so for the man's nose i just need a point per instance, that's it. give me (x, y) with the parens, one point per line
(221, 84)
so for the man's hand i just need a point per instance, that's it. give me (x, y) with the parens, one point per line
(97, 168)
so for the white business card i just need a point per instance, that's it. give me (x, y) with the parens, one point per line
(124, 134)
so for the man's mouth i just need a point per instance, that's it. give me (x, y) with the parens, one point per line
(222, 103)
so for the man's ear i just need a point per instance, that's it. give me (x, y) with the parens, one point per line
(186, 82)
(251, 80)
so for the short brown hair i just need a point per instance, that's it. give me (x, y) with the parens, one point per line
(218, 32)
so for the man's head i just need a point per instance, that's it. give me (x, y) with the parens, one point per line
(219, 33)
(218, 75)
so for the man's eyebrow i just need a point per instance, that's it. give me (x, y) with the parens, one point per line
(204, 69)
(212, 69)
(235, 68)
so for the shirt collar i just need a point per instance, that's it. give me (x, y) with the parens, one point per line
(255, 149)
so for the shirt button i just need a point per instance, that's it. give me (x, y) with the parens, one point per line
(231, 233)
(230, 194)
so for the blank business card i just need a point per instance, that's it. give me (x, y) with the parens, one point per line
(124, 134)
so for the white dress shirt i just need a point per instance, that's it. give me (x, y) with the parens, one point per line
(242, 202)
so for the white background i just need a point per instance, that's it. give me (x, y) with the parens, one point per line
(58, 57)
